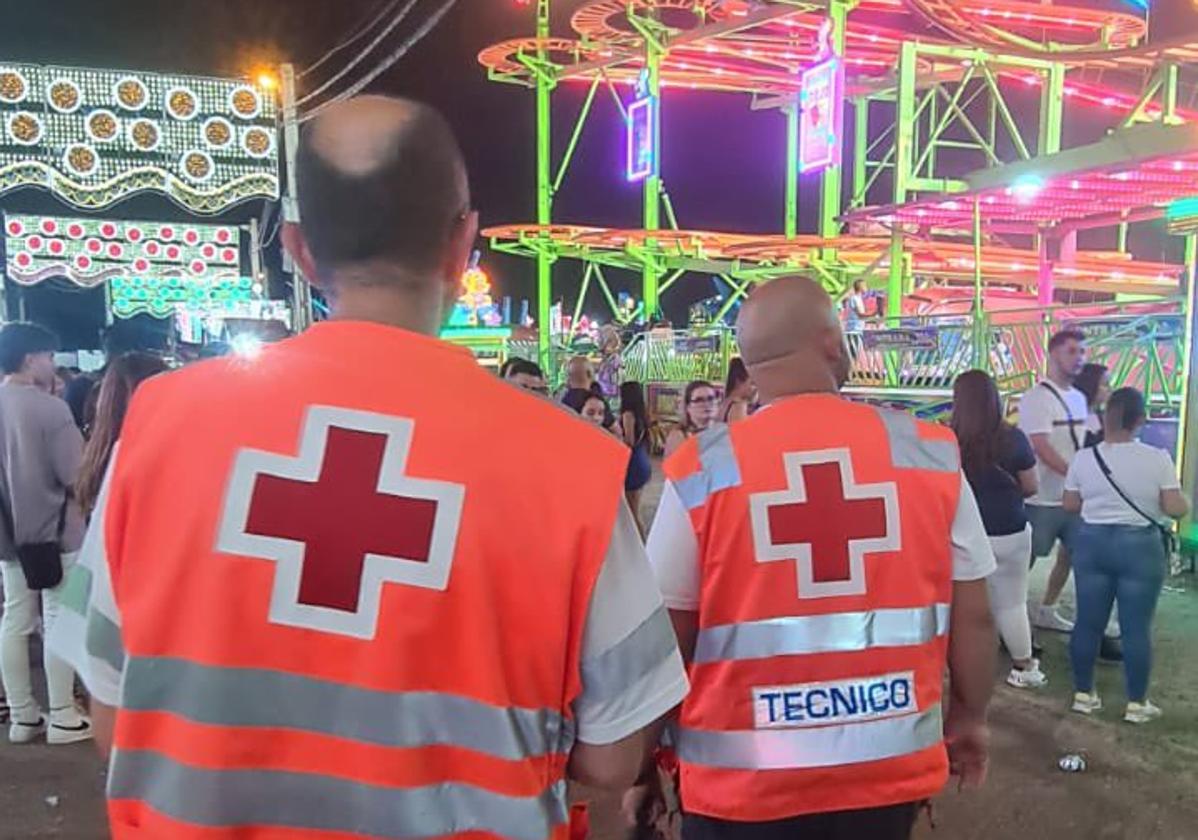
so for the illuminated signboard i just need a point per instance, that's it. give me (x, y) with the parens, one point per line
(821, 108)
(89, 252)
(93, 137)
(642, 138)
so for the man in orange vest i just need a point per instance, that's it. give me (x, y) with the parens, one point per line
(822, 561)
(317, 602)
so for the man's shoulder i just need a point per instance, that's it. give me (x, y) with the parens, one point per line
(34, 401)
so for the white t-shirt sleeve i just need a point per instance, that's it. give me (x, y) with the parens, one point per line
(973, 558)
(87, 630)
(674, 552)
(632, 672)
(1035, 413)
(1073, 477)
(1167, 472)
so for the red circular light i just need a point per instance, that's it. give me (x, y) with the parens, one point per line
(172, 253)
(152, 248)
(56, 246)
(133, 234)
(141, 264)
(222, 235)
(15, 228)
(83, 261)
(208, 251)
(115, 250)
(167, 233)
(228, 255)
(94, 245)
(108, 230)
(49, 226)
(75, 231)
(34, 243)
(23, 259)
(191, 237)
(198, 266)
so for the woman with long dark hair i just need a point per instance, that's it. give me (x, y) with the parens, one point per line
(739, 392)
(120, 380)
(1095, 383)
(1125, 491)
(634, 427)
(700, 406)
(1001, 468)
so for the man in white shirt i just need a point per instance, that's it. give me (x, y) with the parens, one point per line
(1053, 416)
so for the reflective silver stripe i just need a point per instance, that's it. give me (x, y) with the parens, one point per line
(718, 469)
(908, 449)
(274, 699)
(823, 746)
(638, 654)
(104, 640)
(243, 798)
(822, 633)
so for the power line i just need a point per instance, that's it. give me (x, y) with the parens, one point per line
(386, 64)
(388, 7)
(357, 59)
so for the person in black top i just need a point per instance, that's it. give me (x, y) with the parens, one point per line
(1001, 468)
(1095, 382)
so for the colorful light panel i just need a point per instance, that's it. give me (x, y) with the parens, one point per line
(642, 138)
(163, 296)
(93, 137)
(821, 107)
(90, 251)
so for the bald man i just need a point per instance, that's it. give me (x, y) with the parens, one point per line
(316, 602)
(823, 562)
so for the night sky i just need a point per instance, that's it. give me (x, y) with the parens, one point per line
(722, 163)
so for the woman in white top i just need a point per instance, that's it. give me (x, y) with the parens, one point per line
(1119, 555)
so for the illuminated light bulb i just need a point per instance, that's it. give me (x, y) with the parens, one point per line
(1109, 101)
(1027, 188)
(1071, 91)
(1075, 185)
(1117, 275)
(1122, 176)
(873, 38)
(1178, 166)
(921, 213)
(719, 71)
(750, 53)
(991, 199)
(247, 346)
(987, 12)
(267, 81)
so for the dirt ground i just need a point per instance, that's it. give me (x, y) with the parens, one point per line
(1142, 782)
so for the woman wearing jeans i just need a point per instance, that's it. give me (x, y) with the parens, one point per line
(1119, 554)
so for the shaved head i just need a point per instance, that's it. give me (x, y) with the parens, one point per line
(790, 338)
(381, 180)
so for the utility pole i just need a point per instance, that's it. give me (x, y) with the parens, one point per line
(301, 294)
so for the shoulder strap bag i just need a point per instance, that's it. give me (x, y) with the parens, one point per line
(40, 562)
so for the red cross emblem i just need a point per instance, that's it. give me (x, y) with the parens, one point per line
(340, 519)
(825, 522)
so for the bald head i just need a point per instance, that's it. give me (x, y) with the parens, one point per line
(381, 180)
(789, 334)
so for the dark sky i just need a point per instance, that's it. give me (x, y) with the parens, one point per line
(722, 163)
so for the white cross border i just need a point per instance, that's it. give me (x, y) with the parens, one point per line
(796, 493)
(288, 555)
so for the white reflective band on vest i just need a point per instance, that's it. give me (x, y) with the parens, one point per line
(908, 449)
(257, 697)
(718, 468)
(269, 798)
(808, 634)
(823, 746)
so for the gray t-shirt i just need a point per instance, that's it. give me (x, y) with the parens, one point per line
(40, 451)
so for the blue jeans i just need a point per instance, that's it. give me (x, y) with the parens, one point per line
(1124, 563)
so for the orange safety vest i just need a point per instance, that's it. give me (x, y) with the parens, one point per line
(823, 528)
(352, 576)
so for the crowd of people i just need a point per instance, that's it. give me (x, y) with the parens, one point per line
(359, 621)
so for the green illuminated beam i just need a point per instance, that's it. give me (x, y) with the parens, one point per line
(578, 126)
(791, 225)
(544, 185)
(831, 179)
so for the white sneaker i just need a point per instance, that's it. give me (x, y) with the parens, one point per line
(1141, 712)
(68, 727)
(1086, 703)
(1031, 677)
(1050, 618)
(23, 733)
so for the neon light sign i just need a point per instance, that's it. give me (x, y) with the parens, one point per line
(642, 138)
(821, 113)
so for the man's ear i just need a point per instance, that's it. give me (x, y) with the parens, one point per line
(297, 247)
(459, 247)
